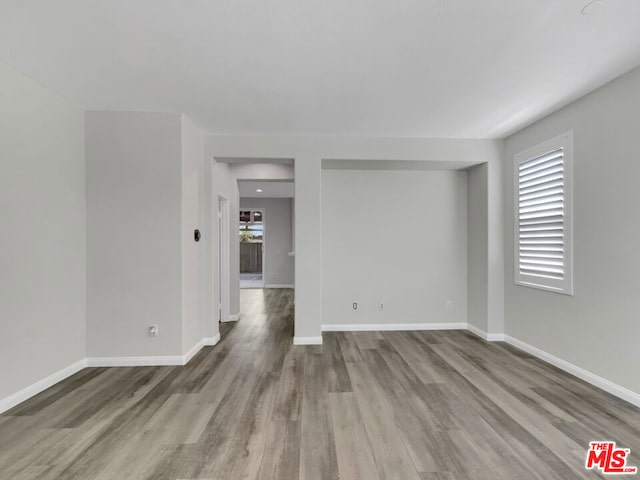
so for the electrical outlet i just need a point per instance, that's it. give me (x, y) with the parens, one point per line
(154, 331)
(355, 305)
(449, 304)
(381, 306)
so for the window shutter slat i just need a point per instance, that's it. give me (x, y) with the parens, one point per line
(542, 222)
(540, 181)
(541, 159)
(542, 207)
(543, 261)
(547, 171)
(554, 190)
(540, 200)
(541, 216)
(558, 182)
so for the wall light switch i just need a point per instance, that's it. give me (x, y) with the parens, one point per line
(154, 331)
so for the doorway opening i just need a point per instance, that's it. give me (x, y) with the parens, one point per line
(266, 233)
(252, 239)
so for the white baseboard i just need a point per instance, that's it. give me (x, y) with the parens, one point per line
(233, 317)
(211, 341)
(384, 327)
(207, 341)
(16, 398)
(26, 393)
(587, 376)
(307, 340)
(477, 331)
(192, 351)
(600, 382)
(495, 337)
(152, 360)
(278, 286)
(490, 337)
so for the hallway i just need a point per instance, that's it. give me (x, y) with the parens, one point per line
(401, 405)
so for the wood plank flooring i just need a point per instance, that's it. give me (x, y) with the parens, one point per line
(395, 405)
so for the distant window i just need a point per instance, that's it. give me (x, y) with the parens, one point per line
(543, 216)
(251, 226)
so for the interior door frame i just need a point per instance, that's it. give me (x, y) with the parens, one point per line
(264, 244)
(224, 254)
(262, 210)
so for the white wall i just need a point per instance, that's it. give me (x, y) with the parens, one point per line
(43, 239)
(598, 327)
(134, 233)
(495, 247)
(261, 171)
(477, 247)
(278, 265)
(310, 152)
(397, 238)
(193, 321)
(308, 248)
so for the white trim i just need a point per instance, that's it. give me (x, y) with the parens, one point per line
(192, 352)
(307, 340)
(495, 337)
(381, 327)
(489, 337)
(153, 360)
(234, 317)
(207, 341)
(591, 378)
(587, 376)
(211, 341)
(14, 399)
(150, 361)
(477, 331)
(26, 393)
(278, 286)
(564, 286)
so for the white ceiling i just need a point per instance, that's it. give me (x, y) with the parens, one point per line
(270, 189)
(432, 68)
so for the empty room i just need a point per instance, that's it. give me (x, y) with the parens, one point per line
(319, 240)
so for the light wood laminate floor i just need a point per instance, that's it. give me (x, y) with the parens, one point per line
(395, 405)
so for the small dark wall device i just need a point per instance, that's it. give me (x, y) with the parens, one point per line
(196, 235)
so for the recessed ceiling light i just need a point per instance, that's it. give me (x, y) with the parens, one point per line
(592, 7)
(259, 190)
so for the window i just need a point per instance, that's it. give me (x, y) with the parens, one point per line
(543, 223)
(251, 226)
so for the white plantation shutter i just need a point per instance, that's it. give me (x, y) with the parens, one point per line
(543, 216)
